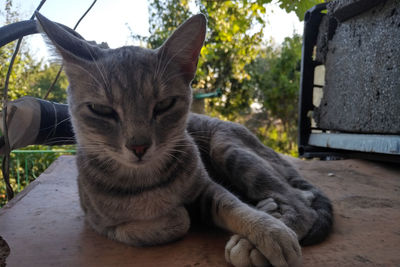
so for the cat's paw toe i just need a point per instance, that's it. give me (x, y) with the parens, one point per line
(269, 206)
(241, 253)
(308, 196)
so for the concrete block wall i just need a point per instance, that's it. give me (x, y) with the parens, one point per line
(361, 54)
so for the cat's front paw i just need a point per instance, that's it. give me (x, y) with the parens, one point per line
(240, 252)
(271, 238)
(270, 206)
(295, 212)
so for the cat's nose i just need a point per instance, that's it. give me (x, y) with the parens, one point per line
(138, 144)
(139, 150)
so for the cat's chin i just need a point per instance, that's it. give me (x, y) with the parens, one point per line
(135, 163)
(139, 163)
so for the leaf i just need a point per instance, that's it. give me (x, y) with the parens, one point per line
(298, 6)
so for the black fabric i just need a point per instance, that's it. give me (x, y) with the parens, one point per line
(55, 124)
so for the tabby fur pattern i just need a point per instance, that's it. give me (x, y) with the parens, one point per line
(148, 168)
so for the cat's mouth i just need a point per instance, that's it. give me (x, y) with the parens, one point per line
(139, 162)
(134, 163)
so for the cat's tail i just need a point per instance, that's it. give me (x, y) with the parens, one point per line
(323, 224)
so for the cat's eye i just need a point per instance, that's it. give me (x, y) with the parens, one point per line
(164, 105)
(103, 111)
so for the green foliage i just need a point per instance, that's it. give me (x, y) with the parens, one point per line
(279, 86)
(277, 138)
(23, 65)
(29, 77)
(42, 80)
(275, 79)
(165, 16)
(231, 44)
(298, 6)
(234, 40)
(236, 61)
(26, 167)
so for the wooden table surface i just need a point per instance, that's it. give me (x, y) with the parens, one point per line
(44, 225)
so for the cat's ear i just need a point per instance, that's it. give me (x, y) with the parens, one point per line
(69, 44)
(184, 45)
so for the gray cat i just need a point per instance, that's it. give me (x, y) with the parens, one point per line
(148, 168)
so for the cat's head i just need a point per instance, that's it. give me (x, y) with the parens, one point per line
(129, 104)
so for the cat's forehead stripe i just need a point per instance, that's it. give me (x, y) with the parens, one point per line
(132, 73)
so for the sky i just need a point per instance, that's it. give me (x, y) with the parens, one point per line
(109, 20)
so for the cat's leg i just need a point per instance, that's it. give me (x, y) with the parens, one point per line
(259, 238)
(236, 159)
(258, 175)
(161, 230)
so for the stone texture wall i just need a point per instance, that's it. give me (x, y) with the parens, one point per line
(362, 60)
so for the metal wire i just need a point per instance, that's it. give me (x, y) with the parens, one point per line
(6, 158)
(59, 71)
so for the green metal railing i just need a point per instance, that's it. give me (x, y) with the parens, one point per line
(27, 165)
(217, 93)
(33, 163)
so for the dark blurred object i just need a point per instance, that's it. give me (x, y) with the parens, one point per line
(33, 121)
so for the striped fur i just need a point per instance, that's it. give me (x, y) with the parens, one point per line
(191, 168)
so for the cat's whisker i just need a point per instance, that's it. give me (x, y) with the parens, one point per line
(91, 84)
(101, 72)
(172, 156)
(159, 63)
(53, 127)
(178, 151)
(179, 51)
(58, 141)
(58, 138)
(63, 137)
(103, 162)
(99, 84)
(201, 138)
(167, 79)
